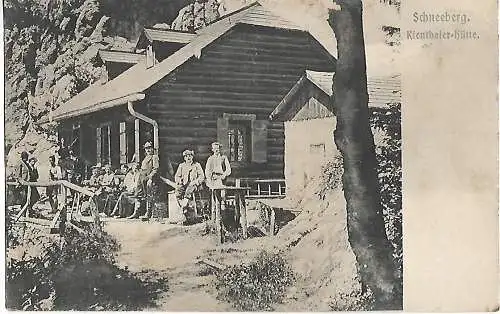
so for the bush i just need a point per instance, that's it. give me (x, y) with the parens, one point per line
(256, 286)
(389, 174)
(71, 272)
(331, 175)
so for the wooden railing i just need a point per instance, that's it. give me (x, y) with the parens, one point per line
(66, 213)
(263, 188)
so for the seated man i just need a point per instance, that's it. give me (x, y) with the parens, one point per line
(108, 179)
(94, 182)
(189, 177)
(132, 191)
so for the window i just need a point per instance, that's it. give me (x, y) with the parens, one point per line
(243, 138)
(239, 141)
(104, 144)
(317, 150)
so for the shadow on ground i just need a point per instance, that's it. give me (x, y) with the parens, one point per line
(99, 285)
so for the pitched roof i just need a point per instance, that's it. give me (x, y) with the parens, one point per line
(138, 78)
(382, 90)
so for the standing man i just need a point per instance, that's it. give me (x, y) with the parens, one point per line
(150, 178)
(216, 172)
(217, 168)
(27, 174)
(52, 192)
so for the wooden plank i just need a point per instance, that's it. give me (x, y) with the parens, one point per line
(243, 211)
(38, 221)
(272, 222)
(213, 264)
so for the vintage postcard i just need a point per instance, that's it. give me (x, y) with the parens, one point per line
(242, 155)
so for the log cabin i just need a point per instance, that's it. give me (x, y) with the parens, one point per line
(184, 90)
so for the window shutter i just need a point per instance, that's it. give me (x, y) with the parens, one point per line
(98, 141)
(123, 143)
(259, 141)
(222, 134)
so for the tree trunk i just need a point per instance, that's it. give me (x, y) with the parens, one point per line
(354, 140)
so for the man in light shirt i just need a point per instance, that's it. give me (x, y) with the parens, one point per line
(189, 177)
(55, 173)
(132, 185)
(217, 168)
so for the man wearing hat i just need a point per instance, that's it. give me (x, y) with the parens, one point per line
(189, 177)
(149, 172)
(217, 168)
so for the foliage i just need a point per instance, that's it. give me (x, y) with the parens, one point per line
(389, 174)
(256, 286)
(353, 301)
(331, 175)
(74, 271)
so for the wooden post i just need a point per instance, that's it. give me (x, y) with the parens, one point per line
(218, 220)
(269, 188)
(26, 205)
(272, 222)
(243, 210)
(137, 139)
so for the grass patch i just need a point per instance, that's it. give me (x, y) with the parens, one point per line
(256, 286)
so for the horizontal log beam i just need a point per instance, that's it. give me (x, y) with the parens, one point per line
(246, 68)
(249, 75)
(292, 49)
(187, 88)
(167, 122)
(223, 94)
(274, 65)
(301, 38)
(263, 57)
(169, 131)
(243, 107)
(187, 140)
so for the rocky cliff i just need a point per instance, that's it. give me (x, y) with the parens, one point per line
(51, 48)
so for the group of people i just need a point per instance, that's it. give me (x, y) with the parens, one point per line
(190, 175)
(122, 193)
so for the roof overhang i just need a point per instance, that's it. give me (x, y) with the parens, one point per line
(120, 56)
(150, 35)
(94, 108)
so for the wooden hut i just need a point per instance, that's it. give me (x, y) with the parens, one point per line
(307, 111)
(186, 90)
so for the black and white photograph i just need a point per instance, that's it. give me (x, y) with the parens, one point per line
(203, 155)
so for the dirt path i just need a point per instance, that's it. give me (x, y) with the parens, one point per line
(172, 251)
